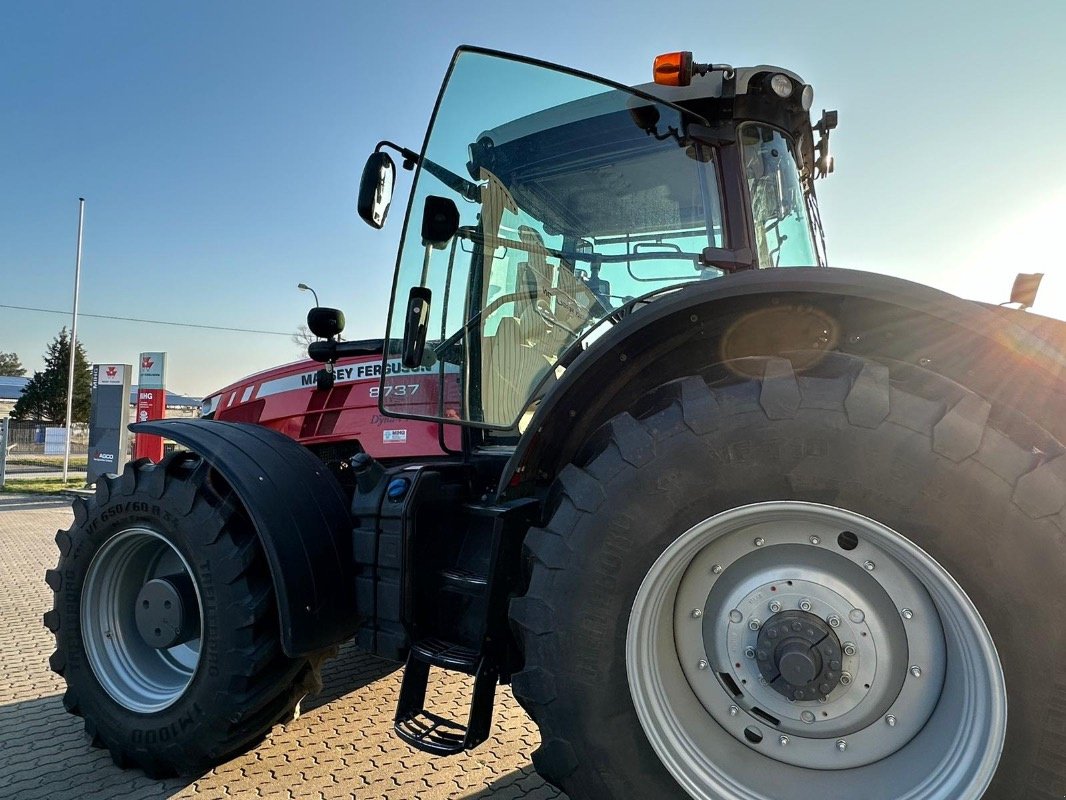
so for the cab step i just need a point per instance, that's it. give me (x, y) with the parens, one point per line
(431, 732)
(460, 625)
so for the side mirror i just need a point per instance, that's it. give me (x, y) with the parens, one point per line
(1025, 288)
(415, 327)
(375, 189)
(440, 221)
(325, 323)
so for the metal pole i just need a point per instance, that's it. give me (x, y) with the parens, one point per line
(73, 341)
(3, 450)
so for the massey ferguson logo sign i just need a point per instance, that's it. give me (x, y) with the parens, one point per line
(111, 374)
(152, 372)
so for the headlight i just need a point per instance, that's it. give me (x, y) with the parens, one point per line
(781, 85)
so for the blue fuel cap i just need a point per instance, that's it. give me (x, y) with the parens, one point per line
(397, 489)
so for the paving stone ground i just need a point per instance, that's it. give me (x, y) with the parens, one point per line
(341, 746)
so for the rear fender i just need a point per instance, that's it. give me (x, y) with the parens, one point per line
(1012, 357)
(300, 514)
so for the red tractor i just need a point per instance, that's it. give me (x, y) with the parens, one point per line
(732, 524)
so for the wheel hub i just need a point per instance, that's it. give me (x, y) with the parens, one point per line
(141, 620)
(166, 611)
(799, 655)
(705, 698)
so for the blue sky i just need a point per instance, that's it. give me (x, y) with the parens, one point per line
(218, 146)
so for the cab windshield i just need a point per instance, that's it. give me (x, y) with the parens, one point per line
(574, 197)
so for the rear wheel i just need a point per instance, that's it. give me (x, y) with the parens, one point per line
(166, 621)
(838, 584)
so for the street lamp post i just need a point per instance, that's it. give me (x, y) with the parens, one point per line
(73, 342)
(303, 287)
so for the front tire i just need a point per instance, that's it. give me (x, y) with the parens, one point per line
(937, 487)
(166, 623)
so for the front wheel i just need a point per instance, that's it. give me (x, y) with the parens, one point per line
(166, 622)
(845, 583)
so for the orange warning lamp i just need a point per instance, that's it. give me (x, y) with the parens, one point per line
(673, 69)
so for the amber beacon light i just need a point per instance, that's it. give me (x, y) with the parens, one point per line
(673, 69)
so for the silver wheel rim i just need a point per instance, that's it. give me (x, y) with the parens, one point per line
(136, 675)
(921, 715)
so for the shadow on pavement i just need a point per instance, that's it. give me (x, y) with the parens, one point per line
(520, 783)
(44, 752)
(351, 669)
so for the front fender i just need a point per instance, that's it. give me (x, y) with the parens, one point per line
(300, 514)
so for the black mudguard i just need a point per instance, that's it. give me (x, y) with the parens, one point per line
(1011, 357)
(301, 516)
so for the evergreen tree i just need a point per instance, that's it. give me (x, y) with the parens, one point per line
(10, 365)
(45, 397)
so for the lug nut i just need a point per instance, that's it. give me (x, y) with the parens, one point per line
(775, 606)
(834, 621)
(849, 649)
(845, 679)
(891, 720)
(754, 625)
(907, 613)
(697, 612)
(749, 652)
(783, 740)
(716, 569)
(916, 672)
(815, 540)
(869, 566)
(805, 605)
(702, 663)
(733, 711)
(759, 541)
(842, 745)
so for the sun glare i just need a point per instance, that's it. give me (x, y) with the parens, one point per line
(1030, 242)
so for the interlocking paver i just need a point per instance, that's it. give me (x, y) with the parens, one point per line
(342, 745)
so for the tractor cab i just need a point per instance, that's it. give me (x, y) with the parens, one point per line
(548, 204)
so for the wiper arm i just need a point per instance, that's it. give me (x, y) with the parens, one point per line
(458, 184)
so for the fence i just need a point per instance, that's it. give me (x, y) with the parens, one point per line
(27, 437)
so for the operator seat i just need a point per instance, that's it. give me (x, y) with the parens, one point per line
(528, 344)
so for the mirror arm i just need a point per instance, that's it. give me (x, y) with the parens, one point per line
(467, 189)
(410, 157)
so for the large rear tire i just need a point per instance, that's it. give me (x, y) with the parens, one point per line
(166, 623)
(727, 503)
